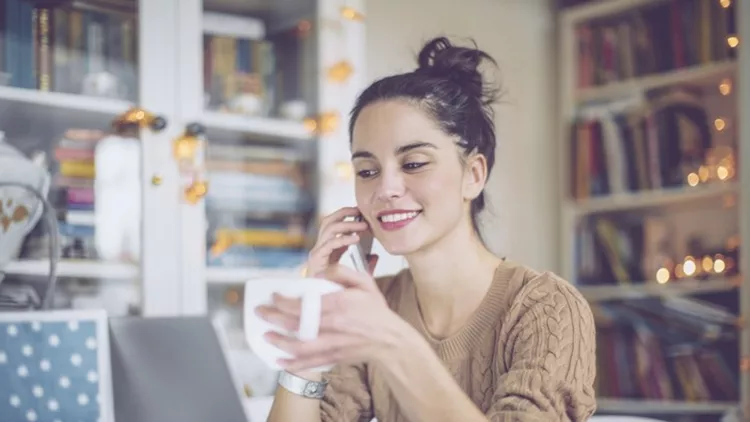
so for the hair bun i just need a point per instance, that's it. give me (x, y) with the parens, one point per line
(440, 58)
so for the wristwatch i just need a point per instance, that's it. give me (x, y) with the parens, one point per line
(301, 386)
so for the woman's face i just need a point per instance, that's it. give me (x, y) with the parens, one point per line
(411, 185)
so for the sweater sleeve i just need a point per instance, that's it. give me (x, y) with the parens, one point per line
(347, 397)
(547, 356)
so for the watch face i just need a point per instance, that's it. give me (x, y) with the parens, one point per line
(311, 389)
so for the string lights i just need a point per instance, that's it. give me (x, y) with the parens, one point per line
(324, 124)
(691, 267)
(720, 164)
(703, 265)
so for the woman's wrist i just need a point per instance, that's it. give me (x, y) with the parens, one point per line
(308, 375)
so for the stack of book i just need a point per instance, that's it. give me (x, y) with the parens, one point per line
(257, 206)
(72, 195)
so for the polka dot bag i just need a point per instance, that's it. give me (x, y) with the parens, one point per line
(55, 367)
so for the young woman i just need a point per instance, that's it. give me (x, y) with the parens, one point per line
(461, 335)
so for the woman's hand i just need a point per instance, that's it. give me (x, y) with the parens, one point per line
(334, 237)
(356, 324)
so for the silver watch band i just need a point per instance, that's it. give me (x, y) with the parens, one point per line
(301, 386)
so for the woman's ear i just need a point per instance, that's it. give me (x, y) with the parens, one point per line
(475, 176)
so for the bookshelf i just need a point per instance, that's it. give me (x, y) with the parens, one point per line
(654, 203)
(257, 126)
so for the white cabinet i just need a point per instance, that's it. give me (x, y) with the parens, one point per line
(255, 96)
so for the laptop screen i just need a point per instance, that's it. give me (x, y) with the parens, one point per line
(171, 369)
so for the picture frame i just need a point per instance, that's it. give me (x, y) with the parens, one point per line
(55, 366)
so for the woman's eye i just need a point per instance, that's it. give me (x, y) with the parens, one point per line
(413, 166)
(366, 173)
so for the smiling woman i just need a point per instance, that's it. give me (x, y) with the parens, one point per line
(461, 334)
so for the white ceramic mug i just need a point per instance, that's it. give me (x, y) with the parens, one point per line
(259, 291)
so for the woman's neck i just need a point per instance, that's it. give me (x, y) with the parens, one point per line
(451, 278)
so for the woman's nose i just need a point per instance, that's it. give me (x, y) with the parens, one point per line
(390, 185)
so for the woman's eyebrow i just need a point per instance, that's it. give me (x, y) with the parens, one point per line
(400, 150)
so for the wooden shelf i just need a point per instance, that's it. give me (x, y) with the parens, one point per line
(695, 74)
(68, 102)
(652, 289)
(218, 275)
(653, 198)
(654, 407)
(75, 269)
(600, 9)
(261, 126)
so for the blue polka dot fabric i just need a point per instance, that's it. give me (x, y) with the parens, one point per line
(49, 371)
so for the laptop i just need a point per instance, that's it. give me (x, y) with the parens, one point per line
(171, 369)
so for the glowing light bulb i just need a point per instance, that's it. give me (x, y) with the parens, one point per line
(704, 173)
(311, 125)
(719, 266)
(351, 14)
(707, 264)
(722, 173)
(725, 87)
(662, 275)
(725, 3)
(733, 41)
(678, 272)
(720, 124)
(689, 266)
(693, 179)
(340, 71)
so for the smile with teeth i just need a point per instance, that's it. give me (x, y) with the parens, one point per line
(394, 218)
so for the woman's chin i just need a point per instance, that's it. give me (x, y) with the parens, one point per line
(401, 248)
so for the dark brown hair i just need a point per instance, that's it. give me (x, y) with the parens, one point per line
(446, 84)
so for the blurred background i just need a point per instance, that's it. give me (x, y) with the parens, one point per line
(190, 145)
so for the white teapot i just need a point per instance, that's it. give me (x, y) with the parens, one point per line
(20, 207)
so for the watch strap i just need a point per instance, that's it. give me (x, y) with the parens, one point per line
(302, 387)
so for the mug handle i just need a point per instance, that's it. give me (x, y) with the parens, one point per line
(309, 323)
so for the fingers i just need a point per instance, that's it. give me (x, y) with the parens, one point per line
(339, 215)
(282, 319)
(285, 312)
(338, 228)
(329, 251)
(327, 349)
(334, 237)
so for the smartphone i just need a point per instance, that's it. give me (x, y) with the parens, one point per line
(359, 251)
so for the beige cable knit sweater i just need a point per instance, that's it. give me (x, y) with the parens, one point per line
(526, 354)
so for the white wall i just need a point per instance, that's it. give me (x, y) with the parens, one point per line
(519, 34)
